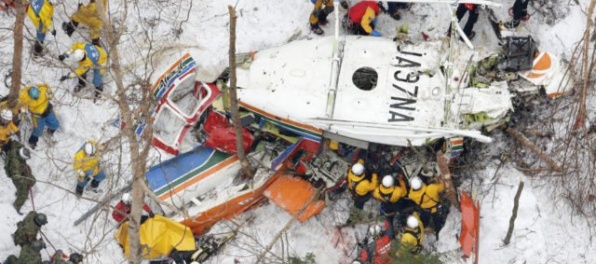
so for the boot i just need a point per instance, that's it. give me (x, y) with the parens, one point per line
(94, 184)
(37, 49)
(69, 27)
(33, 141)
(95, 42)
(79, 191)
(18, 209)
(98, 91)
(51, 131)
(323, 21)
(396, 15)
(316, 29)
(78, 87)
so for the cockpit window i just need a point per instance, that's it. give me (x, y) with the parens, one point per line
(365, 78)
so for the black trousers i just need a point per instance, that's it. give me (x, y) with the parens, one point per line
(520, 9)
(472, 18)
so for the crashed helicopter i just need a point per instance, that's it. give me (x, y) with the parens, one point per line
(356, 90)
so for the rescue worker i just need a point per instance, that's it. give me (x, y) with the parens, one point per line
(14, 106)
(361, 18)
(390, 196)
(361, 188)
(89, 57)
(520, 12)
(30, 253)
(472, 10)
(122, 209)
(7, 129)
(413, 236)
(86, 164)
(36, 99)
(318, 17)
(60, 258)
(15, 165)
(89, 16)
(393, 9)
(28, 228)
(427, 197)
(41, 12)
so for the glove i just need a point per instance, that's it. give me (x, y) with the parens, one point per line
(54, 32)
(375, 33)
(62, 57)
(81, 175)
(151, 214)
(63, 78)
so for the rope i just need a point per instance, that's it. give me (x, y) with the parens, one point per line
(41, 232)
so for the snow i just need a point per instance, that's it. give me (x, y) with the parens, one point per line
(546, 231)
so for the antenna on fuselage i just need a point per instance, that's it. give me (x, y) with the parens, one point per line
(335, 67)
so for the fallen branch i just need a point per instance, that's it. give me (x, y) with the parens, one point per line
(554, 165)
(514, 213)
(450, 191)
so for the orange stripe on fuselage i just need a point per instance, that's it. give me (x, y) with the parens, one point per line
(291, 122)
(174, 65)
(203, 175)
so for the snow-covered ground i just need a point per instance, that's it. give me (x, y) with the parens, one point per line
(544, 233)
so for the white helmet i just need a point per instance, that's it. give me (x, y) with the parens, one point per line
(6, 115)
(416, 183)
(24, 153)
(356, 262)
(412, 222)
(89, 149)
(78, 55)
(374, 230)
(388, 181)
(358, 169)
(53, 2)
(126, 198)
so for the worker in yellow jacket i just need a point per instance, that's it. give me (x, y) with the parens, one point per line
(89, 16)
(428, 198)
(360, 187)
(36, 99)
(86, 166)
(41, 12)
(89, 57)
(413, 235)
(7, 128)
(390, 195)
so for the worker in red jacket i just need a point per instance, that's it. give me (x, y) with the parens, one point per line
(122, 210)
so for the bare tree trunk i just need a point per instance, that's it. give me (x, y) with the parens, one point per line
(17, 55)
(554, 165)
(580, 119)
(246, 167)
(514, 213)
(450, 191)
(138, 156)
